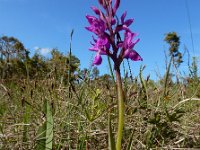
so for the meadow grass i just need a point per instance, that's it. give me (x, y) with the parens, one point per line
(80, 115)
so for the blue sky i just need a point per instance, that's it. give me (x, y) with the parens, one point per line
(47, 24)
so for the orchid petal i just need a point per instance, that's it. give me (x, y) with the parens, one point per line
(90, 18)
(123, 17)
(132, 54)
(97, 59)
(128, 22)
(96, 10)
(135, 56)
(113, 22)
(116, 6)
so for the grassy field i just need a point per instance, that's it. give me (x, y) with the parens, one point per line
(76, 115)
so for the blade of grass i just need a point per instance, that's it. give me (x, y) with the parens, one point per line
(111, 139)
(130, 142)
(45, 132)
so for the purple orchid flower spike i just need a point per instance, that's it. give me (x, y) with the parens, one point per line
(108, 33)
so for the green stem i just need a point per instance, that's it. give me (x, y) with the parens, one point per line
(111, 71)
(121, 99)
(167, 76)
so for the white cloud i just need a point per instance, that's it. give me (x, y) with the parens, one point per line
(45, 51)
(36, 48)
(42, 51)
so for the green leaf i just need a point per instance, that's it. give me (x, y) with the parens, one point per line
(45, 132)
(110, 135)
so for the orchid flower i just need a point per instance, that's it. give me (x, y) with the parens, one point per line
(97, 59)
(128, 45)
(108, 30)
